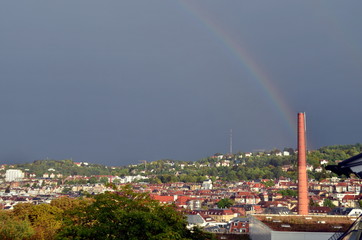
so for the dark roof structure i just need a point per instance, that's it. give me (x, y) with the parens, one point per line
(277, 210)
(348, 166)
(354, 232)
(340, 211)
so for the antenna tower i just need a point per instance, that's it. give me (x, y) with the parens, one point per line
(231, 141)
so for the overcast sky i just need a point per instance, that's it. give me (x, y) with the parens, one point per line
(116, 82)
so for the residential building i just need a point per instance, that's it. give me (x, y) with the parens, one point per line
(12, 175)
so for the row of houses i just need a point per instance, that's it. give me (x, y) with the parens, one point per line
(342, 194)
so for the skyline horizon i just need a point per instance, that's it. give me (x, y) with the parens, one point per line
(138, 162)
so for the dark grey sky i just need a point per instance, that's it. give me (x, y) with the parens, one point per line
(115, 82)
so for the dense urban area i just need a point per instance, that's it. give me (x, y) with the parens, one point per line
(65, 199)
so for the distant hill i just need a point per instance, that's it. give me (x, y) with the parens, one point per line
(227, 167)
(66, 167)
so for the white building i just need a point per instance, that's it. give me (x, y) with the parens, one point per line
(129, 179)
(12, 175)
(323, 162)
(207, 184)
(249, 154)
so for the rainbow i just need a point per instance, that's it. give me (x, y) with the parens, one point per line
(245, 58)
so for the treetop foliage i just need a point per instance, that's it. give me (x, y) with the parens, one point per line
(120, 215)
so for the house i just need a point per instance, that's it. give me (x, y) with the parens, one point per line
(277, 210)
(218, 156)
(207, 184)
(346, 211)
(286, 153)
(163, 199)
(309, 167)
(350, 201)
(246, 198)
(323, 162)
(257, 187)
(248, 154)
(219, 215)
(246, 209)
(181, 201)
(194, 204)
(224, 163)
(239, 209)
(356, 188)
(286, 168)
(238, 225)
(341, 187)
(319, 210)
(195, 220)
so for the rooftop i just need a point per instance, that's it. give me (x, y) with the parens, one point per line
(308, 223)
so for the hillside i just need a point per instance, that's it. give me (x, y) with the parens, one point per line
(240, 166)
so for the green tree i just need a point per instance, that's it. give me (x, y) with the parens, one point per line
(225, 203)
(116, 181)
(288, 192)
(104, 180)
(328, 203)
(313, 203)
(66, 203)
(44, 218)
(126, 215)
(269, 184)
(92, 180)
(155, 180)
(14, 229)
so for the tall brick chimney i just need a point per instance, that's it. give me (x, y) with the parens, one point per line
(302, 167)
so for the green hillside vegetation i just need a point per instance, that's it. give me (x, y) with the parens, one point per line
(262, 165)
(68, 168)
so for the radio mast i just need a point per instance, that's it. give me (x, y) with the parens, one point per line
(231, 141)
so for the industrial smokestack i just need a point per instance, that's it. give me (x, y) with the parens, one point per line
(302, 167)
